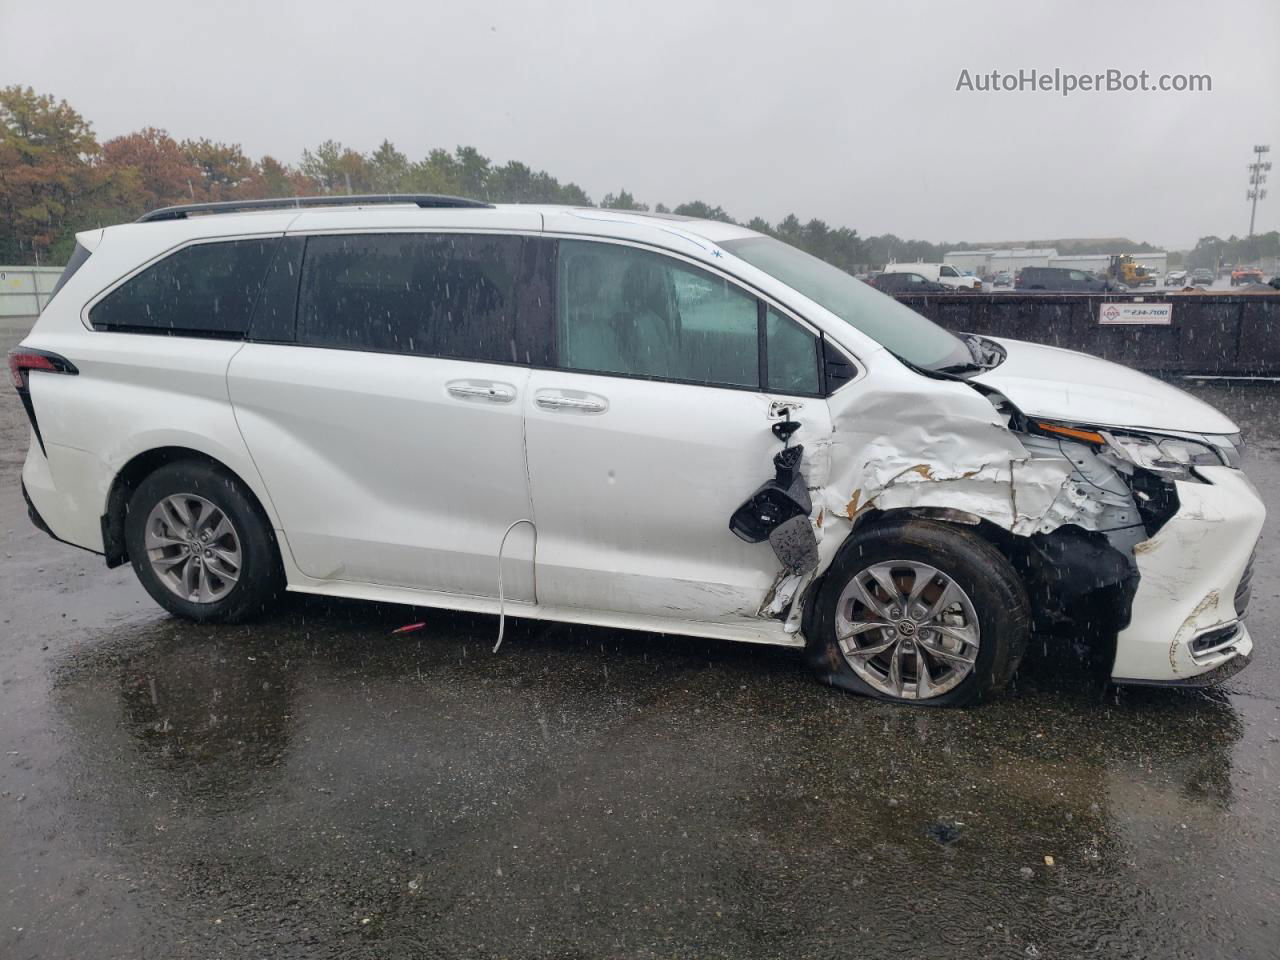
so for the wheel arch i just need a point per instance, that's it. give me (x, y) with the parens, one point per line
(1055, 568)
(136, 470)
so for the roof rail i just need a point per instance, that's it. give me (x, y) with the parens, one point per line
(184, 210)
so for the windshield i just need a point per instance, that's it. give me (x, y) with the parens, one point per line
(899, 329)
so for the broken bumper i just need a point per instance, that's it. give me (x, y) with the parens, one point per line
(1185, 627)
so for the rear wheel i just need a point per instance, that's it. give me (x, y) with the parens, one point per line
(920, 612)
(200, 544)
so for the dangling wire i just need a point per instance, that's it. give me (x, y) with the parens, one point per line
(502, 608)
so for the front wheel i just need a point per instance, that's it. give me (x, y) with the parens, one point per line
(922, 612)
(201, 545)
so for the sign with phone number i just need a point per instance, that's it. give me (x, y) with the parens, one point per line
(1157, 313)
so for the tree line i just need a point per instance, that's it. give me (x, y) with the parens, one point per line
(1212, 251)
(57, 179)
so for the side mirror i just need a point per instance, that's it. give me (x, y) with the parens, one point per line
(776, 501)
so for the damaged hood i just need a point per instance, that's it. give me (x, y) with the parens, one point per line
(1065, 385)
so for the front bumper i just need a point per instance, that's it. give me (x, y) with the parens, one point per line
(1185, 627)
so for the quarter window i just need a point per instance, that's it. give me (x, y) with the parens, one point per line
(208, 289)
(792, 356)
(627, 311)
(440, 295)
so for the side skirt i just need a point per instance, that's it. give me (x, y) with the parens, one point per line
(748, 631)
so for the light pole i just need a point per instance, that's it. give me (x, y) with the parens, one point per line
(1257, 177)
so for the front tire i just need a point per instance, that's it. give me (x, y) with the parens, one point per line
(200, 544)
(918, 611)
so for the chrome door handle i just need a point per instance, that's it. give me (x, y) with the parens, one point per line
(581, 404)
(495, 393)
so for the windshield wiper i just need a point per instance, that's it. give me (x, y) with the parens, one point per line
(958, 369)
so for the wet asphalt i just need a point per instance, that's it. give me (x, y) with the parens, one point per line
(314, 786)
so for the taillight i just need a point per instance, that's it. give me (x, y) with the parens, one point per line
(23, 360)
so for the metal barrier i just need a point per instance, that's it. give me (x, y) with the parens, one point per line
(1202, 333)
(24, 291)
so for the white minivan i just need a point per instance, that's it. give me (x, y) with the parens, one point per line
(943, 273)
(634, 420)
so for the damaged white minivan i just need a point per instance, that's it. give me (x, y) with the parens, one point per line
(625, 419)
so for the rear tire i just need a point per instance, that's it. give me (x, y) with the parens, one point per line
(956, 604)
(201, 545)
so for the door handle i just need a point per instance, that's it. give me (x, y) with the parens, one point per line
(554, 401)
(493, 392)
(779, 408)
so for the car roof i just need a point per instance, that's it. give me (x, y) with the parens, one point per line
(664, 229)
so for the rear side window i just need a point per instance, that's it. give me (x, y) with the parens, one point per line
(208, 289)
(439, 295)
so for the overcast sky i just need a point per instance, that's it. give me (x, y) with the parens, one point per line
(846, 111)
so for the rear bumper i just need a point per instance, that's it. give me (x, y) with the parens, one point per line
(34, 514)
(1185, 627)
(70, 508)
(40, 524)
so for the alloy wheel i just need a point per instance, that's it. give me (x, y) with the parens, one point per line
(193, 548)
(907, 629)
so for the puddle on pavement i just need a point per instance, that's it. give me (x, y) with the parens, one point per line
(440, 792)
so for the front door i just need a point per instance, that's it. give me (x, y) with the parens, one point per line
(653, 429)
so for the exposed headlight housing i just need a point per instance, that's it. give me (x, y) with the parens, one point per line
(1166, 455)
(1172, 457)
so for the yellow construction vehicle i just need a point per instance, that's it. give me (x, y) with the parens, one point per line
(1123, 270)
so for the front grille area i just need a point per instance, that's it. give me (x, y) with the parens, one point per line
(1245, 590)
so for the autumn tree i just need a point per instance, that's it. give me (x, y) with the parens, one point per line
(223, 168)
(155, 168)
(54, 180)
(49, 175)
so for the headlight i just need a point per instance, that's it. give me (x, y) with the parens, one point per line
(1168, 456)
(1173, 457)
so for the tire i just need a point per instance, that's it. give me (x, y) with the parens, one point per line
(237, 574)
(991, 595)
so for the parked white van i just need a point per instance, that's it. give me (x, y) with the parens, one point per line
(943, 273)
(633, 420)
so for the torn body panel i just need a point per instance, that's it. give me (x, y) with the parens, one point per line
(1095, 548)
(947, 451)
(949, 448)
(1190, 572)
